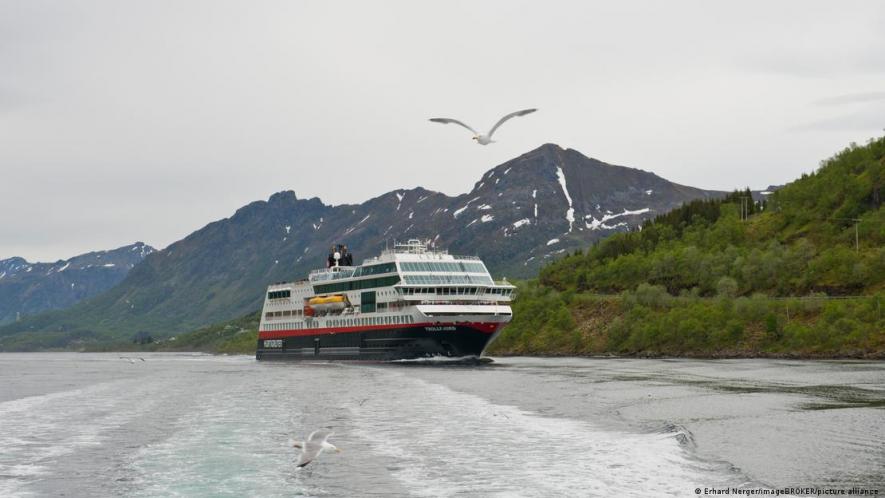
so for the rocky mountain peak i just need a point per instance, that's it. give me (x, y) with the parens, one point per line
(519, 215)
(28, 288)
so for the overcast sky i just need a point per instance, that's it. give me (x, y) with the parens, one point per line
(124, 121)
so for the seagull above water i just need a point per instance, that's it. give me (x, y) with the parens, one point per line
(314, 445)
(485, 138)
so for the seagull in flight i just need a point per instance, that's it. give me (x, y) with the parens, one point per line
(314, 445)
(485, 138)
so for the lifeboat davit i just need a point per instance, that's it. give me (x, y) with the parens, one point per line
(327, 304)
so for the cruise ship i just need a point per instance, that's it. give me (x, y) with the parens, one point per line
(410, 302)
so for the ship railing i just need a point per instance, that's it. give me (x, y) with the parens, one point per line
(332, 273)
(461, 302)
(503, 283)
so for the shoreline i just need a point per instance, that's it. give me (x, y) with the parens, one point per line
(868, 356)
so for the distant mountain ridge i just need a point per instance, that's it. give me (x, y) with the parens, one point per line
(29, 288)
(517, 216)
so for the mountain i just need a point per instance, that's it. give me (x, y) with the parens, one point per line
(801, 274)
(517, 216)
(29, 288)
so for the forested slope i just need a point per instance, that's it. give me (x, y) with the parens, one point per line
(787, 276)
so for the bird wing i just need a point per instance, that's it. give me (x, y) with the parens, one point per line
(447, 121)
(309, 451)
(511, 115)
(319, 436)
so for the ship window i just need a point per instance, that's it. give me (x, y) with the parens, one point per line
(357, 284)
(367, 302)
(444, 266)
(378, 269)
(280, 294)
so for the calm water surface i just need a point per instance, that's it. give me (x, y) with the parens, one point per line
(195, 425)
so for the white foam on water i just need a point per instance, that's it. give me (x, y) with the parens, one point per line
(37, 430)
(235, 445)
(440, 442)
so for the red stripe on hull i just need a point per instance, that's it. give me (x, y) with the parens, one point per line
(485, 327)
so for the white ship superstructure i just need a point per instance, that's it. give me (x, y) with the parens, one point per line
(411, 301)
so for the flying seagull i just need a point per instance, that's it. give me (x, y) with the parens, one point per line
(485, 138)
(314, 445)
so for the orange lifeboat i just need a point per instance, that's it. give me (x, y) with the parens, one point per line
(327, 304)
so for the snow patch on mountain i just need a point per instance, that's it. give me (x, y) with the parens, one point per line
(570, 212)
(595, 224)
(461, 210)
(519, 223)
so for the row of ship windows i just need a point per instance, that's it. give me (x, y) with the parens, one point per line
(446, 279)
(342, 322)
(273, 314)
(291, 326)
(356, 284)
(280, 294)
(460, 266)
(380, 308)
(362, 271)
(454, 291)
(359, 271)
(372, 320)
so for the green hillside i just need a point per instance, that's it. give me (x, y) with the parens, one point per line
(705, 279)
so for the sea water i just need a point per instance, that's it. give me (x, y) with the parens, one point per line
(198, 425)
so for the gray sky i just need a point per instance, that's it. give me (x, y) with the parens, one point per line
(124, 121)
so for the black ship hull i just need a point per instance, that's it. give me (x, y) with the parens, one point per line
(390, 343)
